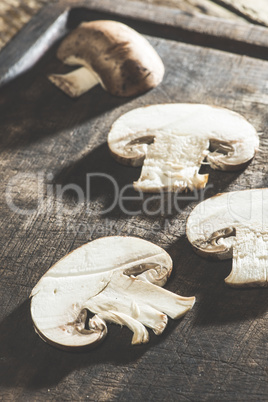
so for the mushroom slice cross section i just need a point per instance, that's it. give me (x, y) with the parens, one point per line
(171, 141)
(234, 225)
(119, 280)
(111, 54)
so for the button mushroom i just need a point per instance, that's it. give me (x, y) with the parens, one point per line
(234, 225)
(118, 279)
(172, 141)
(111, 54)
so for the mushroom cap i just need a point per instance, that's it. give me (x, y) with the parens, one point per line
(99, 277)
(140, 126)
(236, 209)
(123, 59)
(234, 225)
(173, 139)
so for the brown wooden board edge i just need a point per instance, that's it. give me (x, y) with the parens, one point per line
(48, 25)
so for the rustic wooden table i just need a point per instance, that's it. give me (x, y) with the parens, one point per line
(218, 351)
(14, 14)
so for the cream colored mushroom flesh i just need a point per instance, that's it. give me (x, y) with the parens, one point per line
(171, 141)
(234, 225)
(119, 279)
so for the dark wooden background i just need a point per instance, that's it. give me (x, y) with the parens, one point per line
(14, 14)
(218, 351)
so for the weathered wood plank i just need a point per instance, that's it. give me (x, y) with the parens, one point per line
(47, 141)
(256, 11)
(206, 7)
(216, 351)
(202, 30)
(14, 14)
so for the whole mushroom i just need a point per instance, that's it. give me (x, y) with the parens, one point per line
(234, 225)
(111, 54)
(171, 141)
(118, 279)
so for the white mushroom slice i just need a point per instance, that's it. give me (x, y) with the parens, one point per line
(234, 225)
(115, 55)
(116, 278)
(172, 140)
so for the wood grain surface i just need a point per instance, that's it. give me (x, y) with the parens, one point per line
(14, 14)
(218, 351)
(256, 11)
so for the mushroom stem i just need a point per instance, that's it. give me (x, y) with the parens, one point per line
(249, 258)
(99, 278)
(169, 167)
(75, 83)
(171, 142)
(140, 333)
(242, 222)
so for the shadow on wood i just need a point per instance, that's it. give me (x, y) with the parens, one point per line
(32, 108)
(103, 180)
(217, 303)
(28, 362)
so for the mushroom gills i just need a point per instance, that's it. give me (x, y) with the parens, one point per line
(118, 279)
(234, 225)
(215, 245)
(233, 155)
(77, 82)
(126, 298)
(172, 141)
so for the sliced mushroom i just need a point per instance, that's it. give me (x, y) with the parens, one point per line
(234, 225)
(116, 278)
(172, 141)
(111, 54)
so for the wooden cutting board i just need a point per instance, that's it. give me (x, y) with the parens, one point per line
(218, 351)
